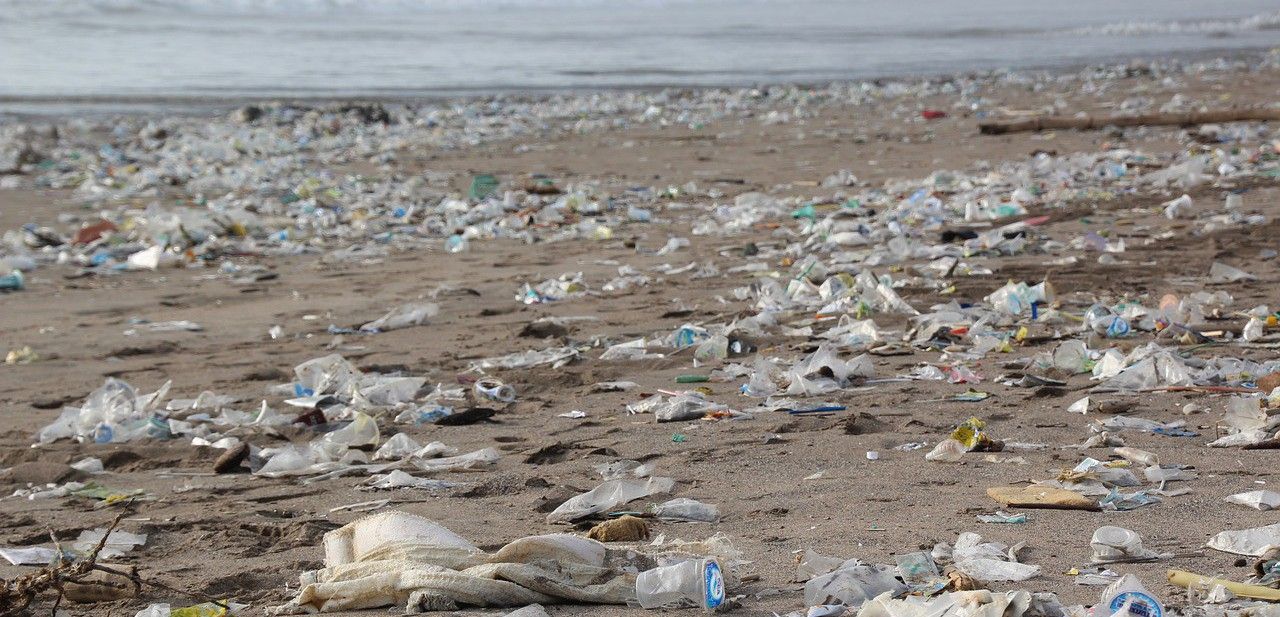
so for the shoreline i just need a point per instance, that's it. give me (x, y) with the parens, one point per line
(202, 105)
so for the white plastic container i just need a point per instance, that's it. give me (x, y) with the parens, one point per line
(1128, 597)
(696, 582)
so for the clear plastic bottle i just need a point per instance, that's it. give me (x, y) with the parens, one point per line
(455, 244)
(696, 582)
(495, 390)
(685, 509)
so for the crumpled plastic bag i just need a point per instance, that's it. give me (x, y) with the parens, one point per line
(985, 561)
(1017, 298)
(1246, 422)
(118, 542)
(823, 371)
(682, 407)
(1258, 500)
(394, 558)
(405, 316)
(608, 495)
(852, 584)
(1252, 542)
(533, 610)
(1222, 273)
(1112, 544)
(555, 356)
(113, 413)
(980, 603)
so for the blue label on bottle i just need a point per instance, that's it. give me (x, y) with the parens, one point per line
(714, 585)
(1142, 604)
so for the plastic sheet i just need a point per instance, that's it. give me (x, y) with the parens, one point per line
(405, 316)
(610, 494)
(395, 558)
(1253, 542)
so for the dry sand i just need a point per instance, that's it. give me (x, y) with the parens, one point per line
(247, 538)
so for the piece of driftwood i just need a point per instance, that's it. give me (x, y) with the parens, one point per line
(82, 579)
(1040, 123)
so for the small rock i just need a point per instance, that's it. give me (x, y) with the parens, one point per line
(230, 460)
(624, 529)
(247, 114)
(467, 416)
(544, 329)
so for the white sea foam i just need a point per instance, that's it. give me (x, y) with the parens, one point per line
(1252, 23)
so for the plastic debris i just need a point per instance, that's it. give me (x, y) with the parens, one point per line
(1258, 500)
(610, 494)
(405, 316)
(1117, 544)
(394, 558)
(1253, 542)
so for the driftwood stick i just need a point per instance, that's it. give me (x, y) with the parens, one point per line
(16, 595)
(1040, 123)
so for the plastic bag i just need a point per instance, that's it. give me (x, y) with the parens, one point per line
(685, 509)
(608, 495)
(1253, 542)
(405, 316)
(852, 585)
(1258, 500)
(1222, 273)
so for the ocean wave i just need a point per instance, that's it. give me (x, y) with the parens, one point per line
(1252, 23)
(13, 10)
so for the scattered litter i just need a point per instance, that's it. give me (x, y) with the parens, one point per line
(394, 558)
(1253, 542)
(1003, 517)
(1117, 544)
(1258, 500)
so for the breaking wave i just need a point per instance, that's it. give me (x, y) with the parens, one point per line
(1252, 23)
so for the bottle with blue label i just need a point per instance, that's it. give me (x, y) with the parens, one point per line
(695, 582)
(1128, 597)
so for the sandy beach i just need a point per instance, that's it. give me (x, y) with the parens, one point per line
(784, 483)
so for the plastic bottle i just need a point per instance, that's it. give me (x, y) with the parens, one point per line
(1126, 597)
(495, 390)
(685, 509)
(455, 244)
(697, 582)
(12, 281)
(405, 316)
(1138, 457)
